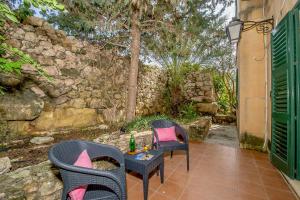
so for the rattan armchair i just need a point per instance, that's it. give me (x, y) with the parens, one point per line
(108, 185)
(171, 146)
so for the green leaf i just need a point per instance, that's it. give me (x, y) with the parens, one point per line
(12, 18)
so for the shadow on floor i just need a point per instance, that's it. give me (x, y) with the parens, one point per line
(223, 135)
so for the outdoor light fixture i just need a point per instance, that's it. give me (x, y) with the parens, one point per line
(236, 26)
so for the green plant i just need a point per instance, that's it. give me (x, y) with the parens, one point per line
(142, 123)
(188, 113)
(14, 59)
(23, 12)
(6, 13)
(173, 93)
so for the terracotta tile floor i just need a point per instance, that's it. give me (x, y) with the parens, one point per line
(216, 173)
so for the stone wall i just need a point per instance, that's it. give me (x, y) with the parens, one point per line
(150, 97)
(198, 87)
(88, 85)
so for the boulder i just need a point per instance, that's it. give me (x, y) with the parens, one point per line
(10, 79)
(210, 108)
(224, 119)
(21, 106)
(42, 140)
(203, 99)
(5, 165)
(198, 130)
(34, 21)
(66, 118)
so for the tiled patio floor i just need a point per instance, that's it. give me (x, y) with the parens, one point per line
(216, 173)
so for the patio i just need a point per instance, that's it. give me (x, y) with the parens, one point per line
(216, 172)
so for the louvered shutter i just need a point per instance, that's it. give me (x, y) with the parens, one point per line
(283, 106)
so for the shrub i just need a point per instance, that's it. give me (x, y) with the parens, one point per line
(188, 113)
(142, 123)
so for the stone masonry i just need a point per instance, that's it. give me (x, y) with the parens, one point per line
(88, 85)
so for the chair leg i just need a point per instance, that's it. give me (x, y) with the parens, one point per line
(187, 160)
(64, 195)
(171, 154)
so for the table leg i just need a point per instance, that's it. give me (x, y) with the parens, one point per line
(145, 185)
(161, 172)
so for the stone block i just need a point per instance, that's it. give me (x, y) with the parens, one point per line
(198, 130)
(42, 140)
(224, 119)
(210, 108)
(34, 21)
(19, 127)
(30, 37)
(5, 165)
(203, 99)
(10, 79)
(66, 118)
(21, 106)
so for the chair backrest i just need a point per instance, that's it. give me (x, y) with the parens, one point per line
(162, 123)
(67, 152)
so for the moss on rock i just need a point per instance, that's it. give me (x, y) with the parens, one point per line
(249, 141)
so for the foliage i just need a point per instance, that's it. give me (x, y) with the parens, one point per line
(173, 92)
(195, 35)
(143, 122)
(188, 113)
(45, 5)
(12, 59)
(6, 13)
(23, 12)
(222, 95)
(16, 59)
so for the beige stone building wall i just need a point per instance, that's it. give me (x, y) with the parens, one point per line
(252, 75)
(254, 63)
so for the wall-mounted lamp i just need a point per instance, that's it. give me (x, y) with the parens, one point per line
(236, 26)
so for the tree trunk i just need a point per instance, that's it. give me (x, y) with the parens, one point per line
(134, 65)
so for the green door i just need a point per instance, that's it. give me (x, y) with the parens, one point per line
(283, 103)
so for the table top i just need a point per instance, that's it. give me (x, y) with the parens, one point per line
(132, 158)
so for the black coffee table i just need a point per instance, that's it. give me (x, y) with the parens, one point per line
(145, 167)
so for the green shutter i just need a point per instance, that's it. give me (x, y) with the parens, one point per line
(296, 58)
(283, 106)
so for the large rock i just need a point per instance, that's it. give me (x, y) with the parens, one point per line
(210, 108)
(66, 118)
(5, 165)
(34, 21)
(10, 79)
(21, 106)
(203, 99)
(198, 130)
(224, 119)
(42, 140)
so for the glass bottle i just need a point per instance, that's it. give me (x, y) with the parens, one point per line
(132, 143)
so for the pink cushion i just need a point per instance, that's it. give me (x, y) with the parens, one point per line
(83, 160)
(166, 134)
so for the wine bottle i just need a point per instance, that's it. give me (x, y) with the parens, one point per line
(132, 143)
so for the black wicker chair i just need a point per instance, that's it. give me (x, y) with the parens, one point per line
(108, 185)
(170, 146)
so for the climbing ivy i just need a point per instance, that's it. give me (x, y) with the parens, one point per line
(12, 59)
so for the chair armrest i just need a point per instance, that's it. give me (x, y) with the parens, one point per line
(180, 131)
(97, 150)
(88, 171)
(154, 133)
